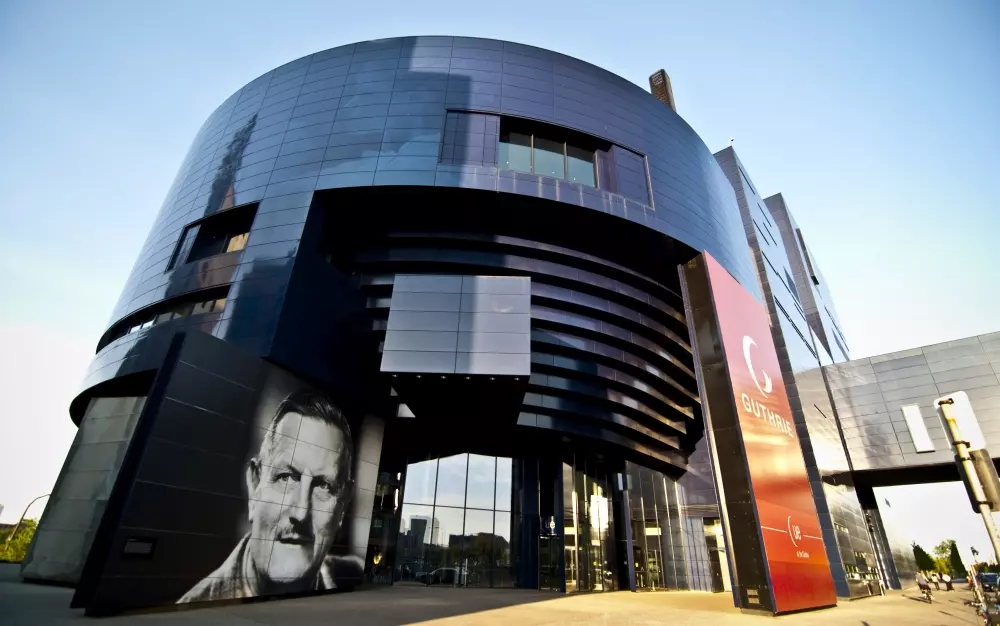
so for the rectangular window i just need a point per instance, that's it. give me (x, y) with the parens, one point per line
(515, 152)
(200, 308)
(746, 181)
(182, 310)
(549, 158)
(184, 248)
(918, 429)
(166, 312)
(805, 253)
(581, 166)
(791, 286)
(220, 233)
(548, 151)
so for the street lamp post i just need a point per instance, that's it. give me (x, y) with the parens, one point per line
(20, 521)
(968, 468)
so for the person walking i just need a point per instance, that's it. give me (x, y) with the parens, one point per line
(946, 579)
(936, 580)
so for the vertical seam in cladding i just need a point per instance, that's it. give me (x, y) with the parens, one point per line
(284, 133)
(385, 124)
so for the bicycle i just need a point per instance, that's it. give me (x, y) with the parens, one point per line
(925, 592)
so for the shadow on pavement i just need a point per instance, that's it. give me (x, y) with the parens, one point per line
(31, 604)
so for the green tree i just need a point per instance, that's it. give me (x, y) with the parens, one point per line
(925, 563)
(955, 561)
(943, 549)
(18, 547)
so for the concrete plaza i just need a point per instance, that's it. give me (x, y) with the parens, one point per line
(36, 605)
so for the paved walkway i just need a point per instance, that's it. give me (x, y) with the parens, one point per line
(38, 605)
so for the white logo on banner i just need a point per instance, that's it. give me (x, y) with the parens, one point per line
(766, 387)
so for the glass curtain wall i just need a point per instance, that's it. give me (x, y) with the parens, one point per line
(661, 545)
(80, 495)
(457, 524)
(588, 523)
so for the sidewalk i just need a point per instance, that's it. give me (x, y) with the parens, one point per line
(37, 605)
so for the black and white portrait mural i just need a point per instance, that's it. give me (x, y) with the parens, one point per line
(245, 481)
(300, 483)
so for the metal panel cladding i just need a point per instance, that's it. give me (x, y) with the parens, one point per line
(374, 113)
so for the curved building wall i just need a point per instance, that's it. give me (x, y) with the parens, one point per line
(374, 113)
(311, 189)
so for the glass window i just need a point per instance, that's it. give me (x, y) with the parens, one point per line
(182, 310)
(477, 551)
(226, 231)
(446, 542)
(420, 479)
(581, 165)
(451, 480)
(237, 242)
(443, 540)
(220, 305)
(504, 495)
(549, 158)
(448, 525)
(515, 152)
(415, 523)
(184, 249)
(503, 575)
(200, 308)
(414, 535)
(482, 482)
(918, 428)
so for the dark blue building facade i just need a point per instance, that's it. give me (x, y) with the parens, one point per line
(311, 192)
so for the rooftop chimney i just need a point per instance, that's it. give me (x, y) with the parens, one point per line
(659, 84)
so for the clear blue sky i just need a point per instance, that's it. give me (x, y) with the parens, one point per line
(877, 120)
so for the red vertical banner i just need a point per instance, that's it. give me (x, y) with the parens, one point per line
(793, 544)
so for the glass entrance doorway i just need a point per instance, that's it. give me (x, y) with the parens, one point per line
(456, 526)
(717, 558)
(588, 522)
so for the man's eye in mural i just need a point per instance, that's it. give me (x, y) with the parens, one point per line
(287, 475)
(324, 489)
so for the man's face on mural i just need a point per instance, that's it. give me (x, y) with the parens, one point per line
(298, 492)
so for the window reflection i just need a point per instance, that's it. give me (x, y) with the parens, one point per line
(237, 242)
(420, 479)
(515, 152)
(589, 542)
(548, 151)
(478, 547)
(503, 573)
(504, 492)
(451, 481)
(414, 535)
(482, 482)
(456, 527)
(580, 164)
(549, 158)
